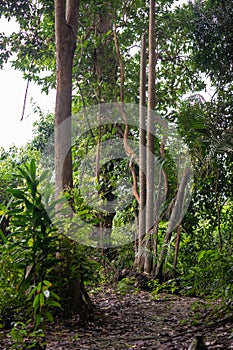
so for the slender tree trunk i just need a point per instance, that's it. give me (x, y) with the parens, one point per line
(178, 233)
(66, 19)
(66, 13)
(150, 139)
(124, 133)
(160, 198)
(173, 221)
(105, 66)
(142, 157)
(218, 208)
(219, 226)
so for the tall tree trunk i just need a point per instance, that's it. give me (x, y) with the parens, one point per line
(66, 19)
(160, 198)
(218, 208)
(142, 158)
(105, 66)
(150, 139)
(66, 13)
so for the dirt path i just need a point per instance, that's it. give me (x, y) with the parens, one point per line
(139, 322)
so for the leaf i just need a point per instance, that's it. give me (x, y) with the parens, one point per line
(25, 174)
(3, 236)
(39, 287)
(28, 204)
(41, 299)
(33, 290)
(15, 211)
(37, 320)
(33, 169)
(28, 271)
(53, 303)
(201, 255)
(36, 302)
(16, 193)
(49, 316)
(47, 283)
(54, 295)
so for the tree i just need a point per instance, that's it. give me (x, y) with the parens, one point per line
(150, 163)
(139, 262)
(66, 19)
(31, 49)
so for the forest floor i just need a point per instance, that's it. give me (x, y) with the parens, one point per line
(142, 321)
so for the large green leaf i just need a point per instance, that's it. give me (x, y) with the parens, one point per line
(19, 194)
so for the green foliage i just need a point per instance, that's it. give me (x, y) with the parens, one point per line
(212, 275)
(29, 251)
(43, 300)
(169, 287)
(33, 43)
(32, 232)
(122, 257)
(205, 264)
(12, 300)
(22, 338)
(127, 285)
(78, 261)
(43, 130)
(18, 334)
(9, 160)
(31, 254)
(212, 31)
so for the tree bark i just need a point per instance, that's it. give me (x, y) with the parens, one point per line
(105, 63)
(178, 237)
(66, 19)
(174, 220)
(150, 139)
(105, 66)
(66, 13)
(142, 157)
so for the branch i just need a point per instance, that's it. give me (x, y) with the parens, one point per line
(119, 57)
(25, 99)
(134, 176)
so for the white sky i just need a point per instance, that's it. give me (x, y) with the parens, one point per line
(12, 92)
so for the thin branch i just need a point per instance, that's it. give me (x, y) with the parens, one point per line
(25, 99)
(134, 186)
(119, 57)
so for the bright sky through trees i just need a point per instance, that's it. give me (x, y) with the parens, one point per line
(12, 92)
